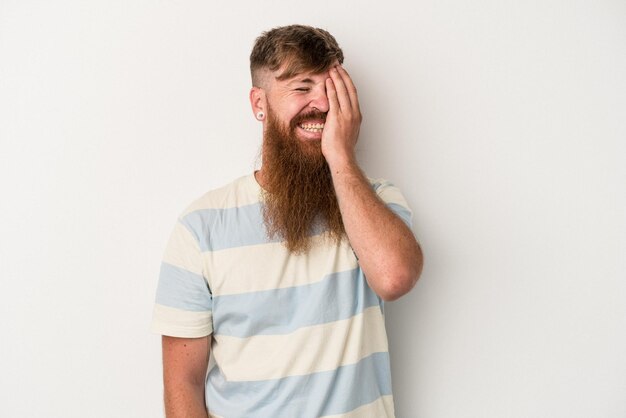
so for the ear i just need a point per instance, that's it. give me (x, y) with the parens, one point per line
(258, 101)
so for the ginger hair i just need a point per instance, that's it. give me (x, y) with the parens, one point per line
(295, 49)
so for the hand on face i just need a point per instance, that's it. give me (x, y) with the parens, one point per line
(343, 120)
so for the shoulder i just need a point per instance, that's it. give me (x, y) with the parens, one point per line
(385, 189)
(240, 192)
(379, 183)
(391, 195)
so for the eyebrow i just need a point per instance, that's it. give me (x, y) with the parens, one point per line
(302, 80)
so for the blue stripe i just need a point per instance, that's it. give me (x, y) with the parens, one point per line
(182, 289)
(281, 311)
(402, 212)
(309, 396)
(218, 229)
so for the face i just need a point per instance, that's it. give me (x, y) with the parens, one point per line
(300, 193)
(299, 104)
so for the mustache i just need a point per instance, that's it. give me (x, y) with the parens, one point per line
(314, 114)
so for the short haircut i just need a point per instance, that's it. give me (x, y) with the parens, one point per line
(299, 48)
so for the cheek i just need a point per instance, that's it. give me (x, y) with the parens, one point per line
(294, 110)
(297, 106)
(291, 108)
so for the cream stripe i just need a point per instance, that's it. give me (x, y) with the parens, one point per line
(391, 194)
(182, 250)
(177, 323)
(380, 408)
(268, 266)
(243, 191)
(310, 349)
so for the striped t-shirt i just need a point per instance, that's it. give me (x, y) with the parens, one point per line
(294, 336)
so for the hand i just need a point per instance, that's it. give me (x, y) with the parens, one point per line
(341, 129)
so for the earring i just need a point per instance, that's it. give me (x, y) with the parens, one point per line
(260, 115)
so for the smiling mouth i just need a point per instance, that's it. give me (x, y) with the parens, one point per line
(312, 127)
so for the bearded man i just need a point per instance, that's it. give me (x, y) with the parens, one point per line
(270, 297)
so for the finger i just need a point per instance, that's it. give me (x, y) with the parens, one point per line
(342, 93)
(331, 93)
(350, 87)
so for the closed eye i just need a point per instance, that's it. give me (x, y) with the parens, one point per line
(302, 89)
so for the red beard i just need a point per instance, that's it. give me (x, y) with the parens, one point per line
(299, 188)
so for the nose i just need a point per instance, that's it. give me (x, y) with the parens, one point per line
(319, 99)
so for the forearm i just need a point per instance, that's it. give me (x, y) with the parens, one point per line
(185, 400)
(387, 250)
(388, 253)
(185, 363)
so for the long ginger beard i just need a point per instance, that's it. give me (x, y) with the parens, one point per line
(299, 195)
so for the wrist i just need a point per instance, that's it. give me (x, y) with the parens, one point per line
(342, 162)
(344, 166)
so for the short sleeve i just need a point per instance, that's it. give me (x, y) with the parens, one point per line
(393, 198)
(183, 306)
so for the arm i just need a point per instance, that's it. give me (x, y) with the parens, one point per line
(388, 253)
(185, 362)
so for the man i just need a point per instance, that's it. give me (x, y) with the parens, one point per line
(281, 275)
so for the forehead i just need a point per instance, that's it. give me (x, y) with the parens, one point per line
(303, 78)
(281, 78)
(294, 69)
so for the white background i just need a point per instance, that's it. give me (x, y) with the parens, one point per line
(503, 123)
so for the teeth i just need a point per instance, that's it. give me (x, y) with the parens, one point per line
(312, 127)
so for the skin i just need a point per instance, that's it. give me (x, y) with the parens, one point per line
(185, 362)
(388, 253)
